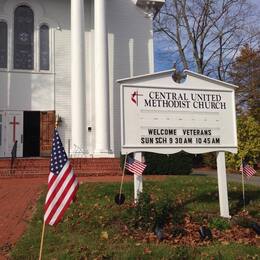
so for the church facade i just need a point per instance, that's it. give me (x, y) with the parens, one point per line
(59, 63)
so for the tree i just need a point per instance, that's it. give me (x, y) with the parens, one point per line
(206, 35)
(245, 72)
(248, 143)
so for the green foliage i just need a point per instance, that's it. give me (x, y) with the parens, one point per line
(148, 213)
(219, 223)
(144, 211)
(163, 208)
(178, 163)
(248, 143)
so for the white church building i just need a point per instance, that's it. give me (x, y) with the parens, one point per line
(59, 63)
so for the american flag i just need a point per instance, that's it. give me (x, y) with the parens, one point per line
(135, 166)
(62, 183)
(247, 169)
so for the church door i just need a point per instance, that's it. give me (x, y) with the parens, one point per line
(47, 125)
(31, 134)
(14, 132)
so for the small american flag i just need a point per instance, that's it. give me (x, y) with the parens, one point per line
(62, 183)
(135, 166)
(247, 170)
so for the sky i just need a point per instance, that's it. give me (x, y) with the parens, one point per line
(163, 56)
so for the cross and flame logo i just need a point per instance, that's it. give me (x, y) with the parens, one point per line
(134, 97)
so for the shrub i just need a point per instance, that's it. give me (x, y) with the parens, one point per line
(144, 212)
(148, 214)
(219, 223)
(248, 143)
(179, 163)
(162, 209)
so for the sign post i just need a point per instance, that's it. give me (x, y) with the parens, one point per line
(138, 179)
(161, 116)
(222, 185)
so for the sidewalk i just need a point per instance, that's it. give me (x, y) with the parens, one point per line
(231, 177)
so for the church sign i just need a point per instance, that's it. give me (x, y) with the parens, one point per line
(163, 116)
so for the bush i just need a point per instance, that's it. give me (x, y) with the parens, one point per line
(248, 143)
(162, 209)
(148, 213)
(219, 223)
(144, 212)
(179, 163)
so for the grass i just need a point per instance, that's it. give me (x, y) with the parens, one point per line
(79, 235)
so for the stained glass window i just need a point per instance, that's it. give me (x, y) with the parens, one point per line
(3, 44)
(44, 47)
(23, 37)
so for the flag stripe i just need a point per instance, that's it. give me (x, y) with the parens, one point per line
(135, 169)
(54, 179)
(65, 203)
(135, 166)
(60, 192)
(54, 189)
(247, 170)
(55, 203)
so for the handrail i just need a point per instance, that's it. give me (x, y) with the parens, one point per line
(13, 154)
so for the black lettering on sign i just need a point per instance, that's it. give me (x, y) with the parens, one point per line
(160, 140)
(146, 140)
(216, 140)
(155, 131)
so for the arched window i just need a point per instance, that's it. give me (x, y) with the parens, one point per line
(44, 47)
(3, 44)
(23, 38)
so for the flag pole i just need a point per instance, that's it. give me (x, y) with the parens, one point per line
(243, 185)
(122, 179)
(41, 247)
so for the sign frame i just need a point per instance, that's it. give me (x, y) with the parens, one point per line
(163, 80)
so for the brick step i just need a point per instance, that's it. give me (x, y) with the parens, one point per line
(35, 167)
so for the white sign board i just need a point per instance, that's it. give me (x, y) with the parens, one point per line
(166, 118)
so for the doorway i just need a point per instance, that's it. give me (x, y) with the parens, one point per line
(31, 134)
(38, 133)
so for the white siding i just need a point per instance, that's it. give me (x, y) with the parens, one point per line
(130, 33)
(130, 53)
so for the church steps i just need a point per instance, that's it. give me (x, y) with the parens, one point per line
(38, 167)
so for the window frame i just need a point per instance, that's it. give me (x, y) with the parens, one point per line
(7, 38)
(39, 19)
(32, 43)
(49, 47)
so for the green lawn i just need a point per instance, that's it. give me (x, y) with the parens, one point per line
(79, 235)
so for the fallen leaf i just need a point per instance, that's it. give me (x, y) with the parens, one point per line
(104, 235)
(147, 251)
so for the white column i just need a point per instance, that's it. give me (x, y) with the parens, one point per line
(78, 112)
(138, 180)
(102, 128)
(222, 185)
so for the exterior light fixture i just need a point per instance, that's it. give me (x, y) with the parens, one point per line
(150, 7)
(58, 120)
